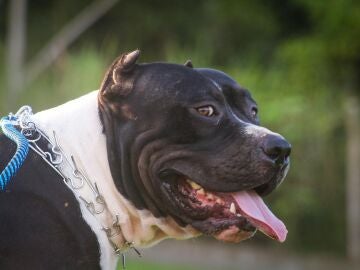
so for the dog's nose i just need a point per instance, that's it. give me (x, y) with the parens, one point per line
(277, 148)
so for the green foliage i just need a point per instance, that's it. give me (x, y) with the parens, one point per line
(73, 75)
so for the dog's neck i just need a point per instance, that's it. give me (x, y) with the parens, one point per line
(79, 133)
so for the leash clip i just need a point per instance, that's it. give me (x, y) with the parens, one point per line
(119, 252)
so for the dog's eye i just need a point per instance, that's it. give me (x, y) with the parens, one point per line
(207, 110)
(254, 112)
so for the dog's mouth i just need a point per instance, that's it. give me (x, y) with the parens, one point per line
(230, 217)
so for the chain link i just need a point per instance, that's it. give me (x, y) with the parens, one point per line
(54, 156)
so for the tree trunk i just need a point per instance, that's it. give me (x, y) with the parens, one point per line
(16, 43)
(352, 125)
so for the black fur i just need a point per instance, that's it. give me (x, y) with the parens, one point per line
(41, 225)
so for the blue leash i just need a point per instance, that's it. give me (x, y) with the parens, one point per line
(7, 127)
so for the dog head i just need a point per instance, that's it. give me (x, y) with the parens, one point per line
(187, 143)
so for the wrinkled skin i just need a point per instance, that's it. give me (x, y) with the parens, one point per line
(157, 138)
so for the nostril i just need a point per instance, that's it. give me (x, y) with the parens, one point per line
(274, 152)
(276, 148)
(287, 151)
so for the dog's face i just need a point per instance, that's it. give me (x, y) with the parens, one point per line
(187, 143)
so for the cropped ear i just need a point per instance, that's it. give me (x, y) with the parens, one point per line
(189, 64)
(119, 79)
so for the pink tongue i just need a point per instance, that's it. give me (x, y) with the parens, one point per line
(255, 210)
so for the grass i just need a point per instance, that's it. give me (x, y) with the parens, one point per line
(141, 265)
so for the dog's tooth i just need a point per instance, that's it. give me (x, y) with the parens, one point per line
(219, 201)
(210, 196)
(238, 215)
(232, 208)
(201, 191)
(194, 185)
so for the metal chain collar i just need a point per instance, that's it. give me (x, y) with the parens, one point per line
(54, 156)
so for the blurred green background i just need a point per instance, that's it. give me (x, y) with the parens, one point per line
(299, 58)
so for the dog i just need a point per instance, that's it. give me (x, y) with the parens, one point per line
(160, 151)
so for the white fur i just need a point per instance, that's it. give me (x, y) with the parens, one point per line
(257, 131)
(79, 133)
